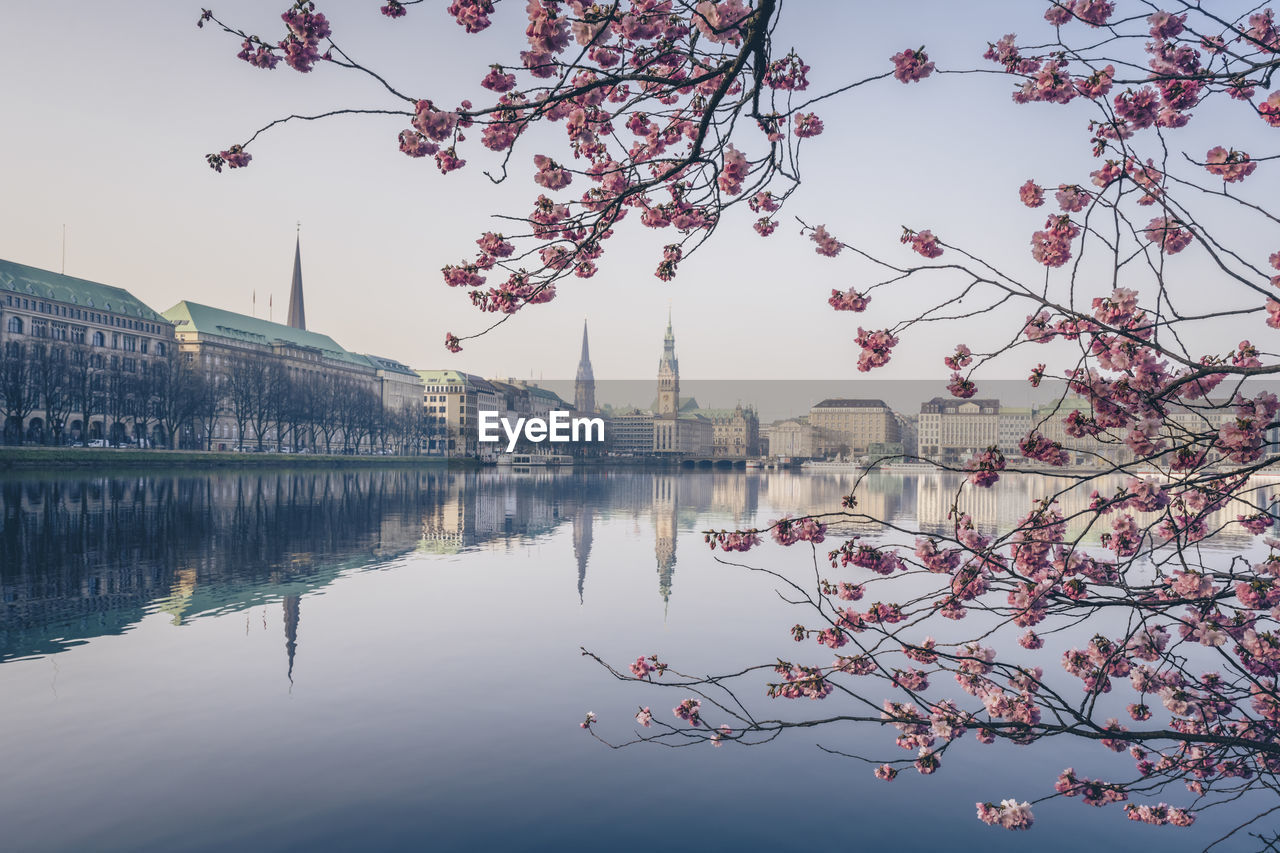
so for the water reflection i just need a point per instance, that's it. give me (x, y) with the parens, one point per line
(81, 558)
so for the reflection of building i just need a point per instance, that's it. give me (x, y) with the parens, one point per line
(91, 558)
(582, 521)
(844, 426)
(666, 490)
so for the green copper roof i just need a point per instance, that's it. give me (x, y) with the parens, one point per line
(689, 404)
(389, 364)
(441, 377)
(43, 284)
(194, 317)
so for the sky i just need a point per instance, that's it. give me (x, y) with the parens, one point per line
(109, 108)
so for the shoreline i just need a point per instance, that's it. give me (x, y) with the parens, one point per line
(38, 459)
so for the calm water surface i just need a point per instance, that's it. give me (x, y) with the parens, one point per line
(390, 659)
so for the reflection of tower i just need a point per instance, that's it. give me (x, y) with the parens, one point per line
(582, 521)
(297, 312)
(668, 375)
(664, 531)
(291, 607)
(584, 387)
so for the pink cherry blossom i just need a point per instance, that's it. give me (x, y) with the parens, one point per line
(550, 174)
(848, 300)
(912, 66)
(1231, 165)
(827, 244)
(807, 125)
(1031, 193)
(1169, 234)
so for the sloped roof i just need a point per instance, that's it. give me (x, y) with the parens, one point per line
(381, 363)
(205, 320)
(845, 403)
(32, 281)
(689, 404)
(441, 377)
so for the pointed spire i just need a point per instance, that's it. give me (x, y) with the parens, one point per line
(297, 311)
(292, 607)
(584, 387)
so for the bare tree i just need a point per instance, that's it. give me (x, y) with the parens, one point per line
(17, 389)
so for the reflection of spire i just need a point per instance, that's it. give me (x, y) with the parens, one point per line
(664, 530)
(291, 615)
(582, 521)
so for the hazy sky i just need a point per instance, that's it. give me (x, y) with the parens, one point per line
(109, 108)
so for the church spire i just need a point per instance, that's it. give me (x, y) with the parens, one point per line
(584, 387)
(297, 311)
(669, 374)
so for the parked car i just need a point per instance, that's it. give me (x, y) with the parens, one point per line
(98, 442)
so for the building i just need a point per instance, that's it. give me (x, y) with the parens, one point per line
(279, 385)
(676, 432)
(735, 433)
(450, 405)
(848, 427)
(1051, 421)
(80, 359)
(399, 386)
(792, 439)
(631, 432)
(909, 433)
(953, 430)
(1012, 424)
(584, 386)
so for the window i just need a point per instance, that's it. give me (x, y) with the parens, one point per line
(15, 325)
(159, 348)
(99, 339)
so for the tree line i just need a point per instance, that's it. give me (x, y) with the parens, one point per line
(175, 403)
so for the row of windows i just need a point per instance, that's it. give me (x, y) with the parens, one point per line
(129, 343)
(73, 313)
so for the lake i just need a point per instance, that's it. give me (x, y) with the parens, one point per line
(391, 659)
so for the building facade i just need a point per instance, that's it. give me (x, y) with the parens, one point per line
(81, 360)
(282, 387)
(450, 406)
(735, 433)
(952, 430)
(848, 427)
(792, 439)
(676, 433)
(631, 433)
